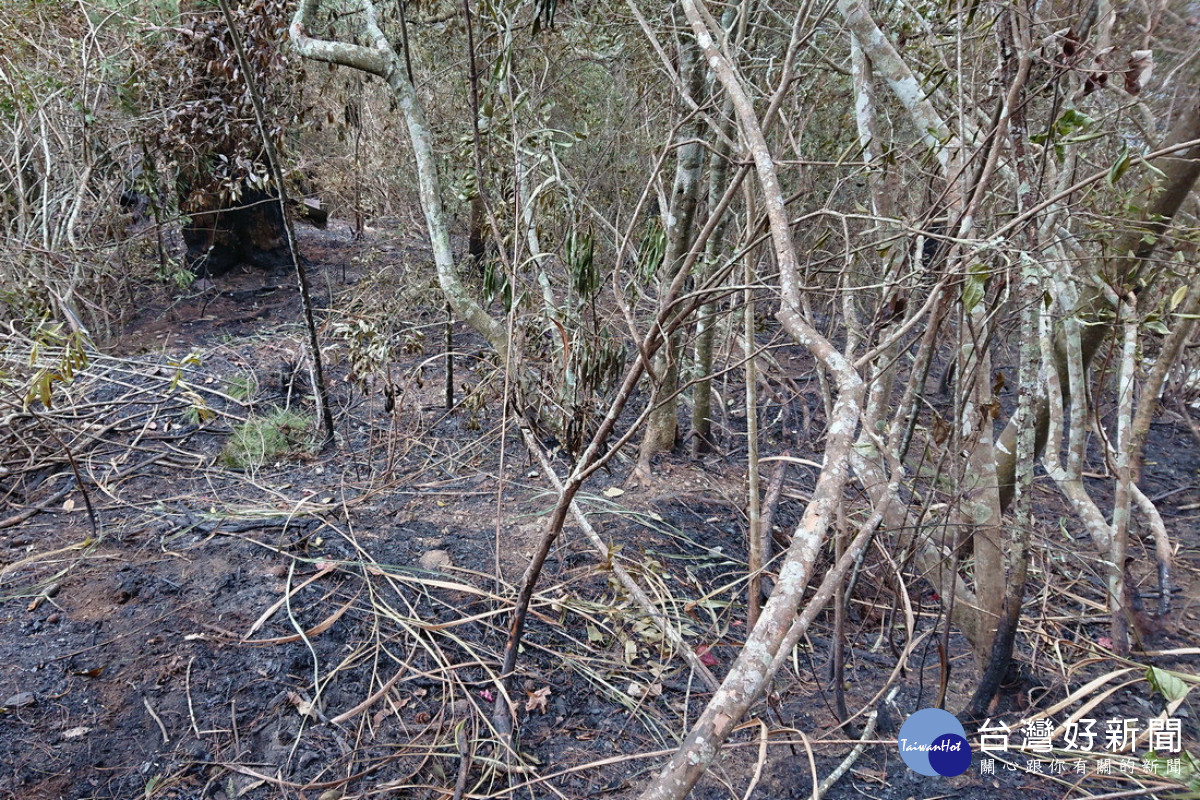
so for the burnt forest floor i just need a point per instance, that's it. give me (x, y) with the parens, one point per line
(329, 624)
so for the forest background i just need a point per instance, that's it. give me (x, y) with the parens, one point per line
(541, 397)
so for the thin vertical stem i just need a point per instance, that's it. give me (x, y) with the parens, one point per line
(755, 531)
(449, 357)
(260, 117)
(1117, 591)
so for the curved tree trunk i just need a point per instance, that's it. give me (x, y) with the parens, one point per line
(1181, 168)
(381, 59)
(766, 646)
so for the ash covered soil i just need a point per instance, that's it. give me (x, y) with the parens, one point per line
(330, 623)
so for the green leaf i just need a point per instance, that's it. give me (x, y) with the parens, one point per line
(1157, 326)
(1072, 120)
(973, 288)
(1167, 683)
(1120, 164)
(1087, 137)
(44, 382)
(653, 249)
(579, 254)
(1177, 766)
(1178, 296)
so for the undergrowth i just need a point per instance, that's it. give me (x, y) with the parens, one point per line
(280, 435)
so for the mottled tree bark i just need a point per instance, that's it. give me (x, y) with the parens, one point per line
(380, 58)
(766, 645)
(662, 427)
(1181, 169)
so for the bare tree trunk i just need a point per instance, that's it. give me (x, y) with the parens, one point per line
(380, 58)
(662, 428)
(766, 646)
(1118, 592)
(706, 318)
(1004, 583)
(979, 509)
(1181, 168)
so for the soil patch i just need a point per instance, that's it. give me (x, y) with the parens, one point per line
(330, 624)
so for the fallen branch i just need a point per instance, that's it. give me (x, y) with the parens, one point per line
(29, 511)
(767, 644)
(670, 634)
(848, 761)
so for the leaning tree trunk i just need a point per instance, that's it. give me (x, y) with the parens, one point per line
(381, 59)
(1181, 167)
(778, 627)
(260, 116)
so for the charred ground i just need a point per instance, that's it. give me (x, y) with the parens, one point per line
(329, 623)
